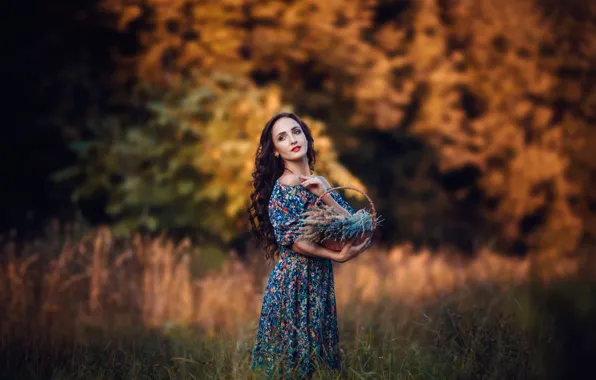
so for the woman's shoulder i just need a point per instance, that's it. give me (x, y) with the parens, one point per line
(289, 180)
(287, 192)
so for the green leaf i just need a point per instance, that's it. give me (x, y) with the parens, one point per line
(194, 99)
(66, 174)
(131, 183)
(185, 187)
(114, 208)
(150, 222)
(81, 147)
(135, 135)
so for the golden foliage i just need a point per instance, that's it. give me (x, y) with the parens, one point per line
(229, 140)
(512, 137)
(503, 87)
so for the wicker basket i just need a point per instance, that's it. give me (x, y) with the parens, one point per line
(335, 245)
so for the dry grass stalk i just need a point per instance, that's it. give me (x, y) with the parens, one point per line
(149, 282)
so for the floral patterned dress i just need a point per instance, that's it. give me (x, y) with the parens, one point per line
(298, 322)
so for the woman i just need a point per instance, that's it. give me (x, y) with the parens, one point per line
(298, 322)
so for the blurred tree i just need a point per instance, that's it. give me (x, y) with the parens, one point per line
(486, 95)
(306, 46)
(326, 58)
(576, 104)
(480, 82)
(187, 160)
(496, 116)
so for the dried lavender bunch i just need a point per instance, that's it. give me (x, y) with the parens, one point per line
(315, 221)
(325, 222)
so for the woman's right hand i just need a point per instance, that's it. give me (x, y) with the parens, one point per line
(350, 251)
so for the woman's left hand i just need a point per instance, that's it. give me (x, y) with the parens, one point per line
(315, 184)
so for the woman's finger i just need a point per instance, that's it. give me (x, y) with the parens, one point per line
(310, 182)
(360, 246)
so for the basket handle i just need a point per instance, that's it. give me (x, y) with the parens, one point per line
(372, 205)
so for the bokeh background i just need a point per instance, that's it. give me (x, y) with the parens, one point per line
(128, 147)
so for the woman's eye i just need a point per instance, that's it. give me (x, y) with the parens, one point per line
(296, 131)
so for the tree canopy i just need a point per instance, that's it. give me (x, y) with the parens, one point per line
(498, 94)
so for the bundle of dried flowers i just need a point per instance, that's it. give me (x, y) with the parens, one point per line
(325, 225)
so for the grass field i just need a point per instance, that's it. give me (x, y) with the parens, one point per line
(86, 306)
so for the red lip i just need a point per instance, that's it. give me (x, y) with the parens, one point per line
(296, 149)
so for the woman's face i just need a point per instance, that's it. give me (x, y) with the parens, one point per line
(289, 139)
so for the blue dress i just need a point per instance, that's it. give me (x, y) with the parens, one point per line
(298, 321)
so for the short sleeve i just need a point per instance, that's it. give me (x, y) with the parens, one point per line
(338, 198)
(285, 209)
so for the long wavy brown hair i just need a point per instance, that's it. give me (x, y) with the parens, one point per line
(268, 169)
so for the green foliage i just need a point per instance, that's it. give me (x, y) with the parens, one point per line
(187, 163)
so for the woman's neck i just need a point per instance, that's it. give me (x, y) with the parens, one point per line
(299, 169)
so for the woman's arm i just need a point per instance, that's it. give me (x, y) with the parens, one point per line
(347, 253)
(307, 248)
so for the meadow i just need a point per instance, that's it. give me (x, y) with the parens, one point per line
(81, 304)
(466, 122)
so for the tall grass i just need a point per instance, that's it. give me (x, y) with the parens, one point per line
(81, 304)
